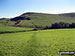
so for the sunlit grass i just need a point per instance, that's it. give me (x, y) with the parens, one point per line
(37, 43)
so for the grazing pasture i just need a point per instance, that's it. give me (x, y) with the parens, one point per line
(10, 29)
(38, 43)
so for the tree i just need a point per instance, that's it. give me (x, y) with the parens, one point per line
(61, 25)
(72, 25)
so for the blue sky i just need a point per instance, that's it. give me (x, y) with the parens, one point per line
(12, 8)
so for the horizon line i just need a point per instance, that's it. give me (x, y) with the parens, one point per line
(38, 12)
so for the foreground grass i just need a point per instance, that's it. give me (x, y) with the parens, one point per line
(37, 43)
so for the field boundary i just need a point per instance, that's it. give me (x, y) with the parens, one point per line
(14, 31)
(17, 31)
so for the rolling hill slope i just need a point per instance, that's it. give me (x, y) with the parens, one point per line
(32, 19)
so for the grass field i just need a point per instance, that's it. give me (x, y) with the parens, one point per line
(9, 28)
(37, 43)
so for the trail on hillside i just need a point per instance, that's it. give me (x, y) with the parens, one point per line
(32, 48)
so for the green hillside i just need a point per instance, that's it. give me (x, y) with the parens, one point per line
(32, 19)
(38, 43)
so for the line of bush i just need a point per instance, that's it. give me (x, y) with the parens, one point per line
(61, 25)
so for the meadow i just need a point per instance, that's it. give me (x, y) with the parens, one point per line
(10, 29)
(37, 43)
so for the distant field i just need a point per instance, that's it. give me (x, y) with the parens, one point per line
(9, 28)
(37, 43)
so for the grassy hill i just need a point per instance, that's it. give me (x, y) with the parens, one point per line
(37, 43)
(32, 19)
